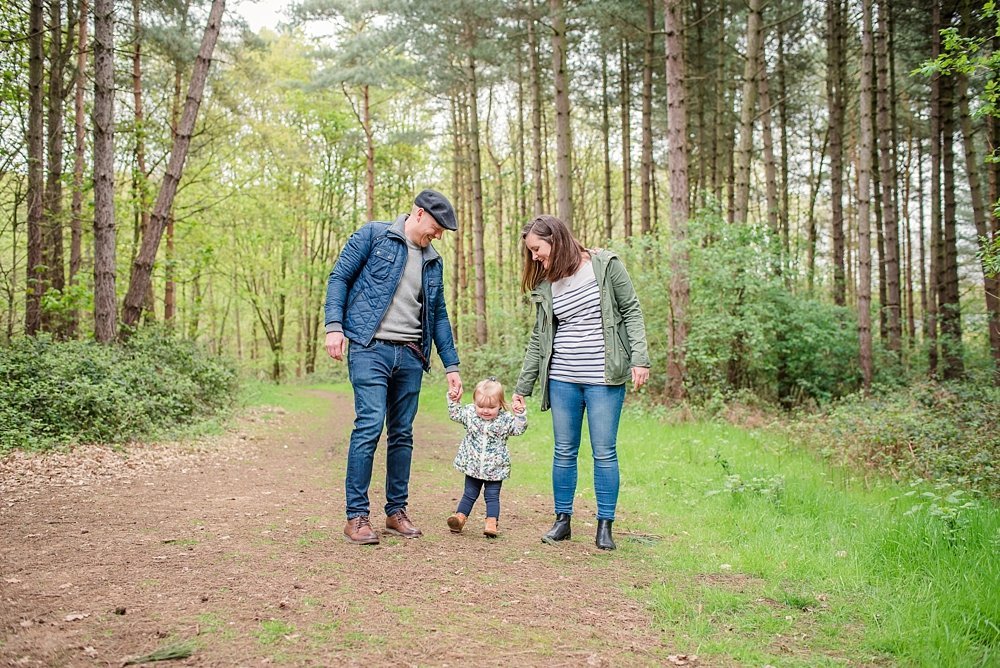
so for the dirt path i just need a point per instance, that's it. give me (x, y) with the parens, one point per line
(235, 547)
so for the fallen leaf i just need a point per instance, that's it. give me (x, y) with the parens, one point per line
(90, 651)
(74, 616)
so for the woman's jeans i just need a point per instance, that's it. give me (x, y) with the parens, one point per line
(386, 379)
(603, 404)
(491, 492)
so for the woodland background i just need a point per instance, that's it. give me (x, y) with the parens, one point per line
(803, 192)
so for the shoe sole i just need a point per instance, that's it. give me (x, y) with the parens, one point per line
(403, 535)
(371, 541)
(553, 541)
(490, 535)
(454, 526)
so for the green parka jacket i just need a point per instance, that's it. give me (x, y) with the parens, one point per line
(623, 325)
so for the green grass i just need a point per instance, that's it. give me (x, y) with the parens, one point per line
(755, 551)
(753, 541)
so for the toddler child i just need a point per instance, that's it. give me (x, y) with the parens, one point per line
(483, 456)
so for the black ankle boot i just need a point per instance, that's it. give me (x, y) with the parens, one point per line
(560, 530)
(603, 539)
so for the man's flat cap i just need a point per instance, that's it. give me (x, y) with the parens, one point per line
(438, 206)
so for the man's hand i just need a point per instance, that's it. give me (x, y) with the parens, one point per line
(336, 345)
(640, 375)
(454, 386)
(517, 403)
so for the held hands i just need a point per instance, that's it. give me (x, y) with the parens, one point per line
(640, 375)
(517, 403)
(454, 386)
(336, 345)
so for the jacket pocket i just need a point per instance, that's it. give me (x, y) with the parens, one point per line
(380, 263)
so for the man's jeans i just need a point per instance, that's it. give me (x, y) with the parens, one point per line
(386, 379)
(603, 404)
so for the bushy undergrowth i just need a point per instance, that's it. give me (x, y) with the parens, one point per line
(937, 431)
(54, 393)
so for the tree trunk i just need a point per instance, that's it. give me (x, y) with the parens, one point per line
(991, 286)
(646, 173)
(141, 178)
(931, 333)
(369, 153)
(478, 251)
(606, 149)
(105, 299)
(770, 164)
(626, 107)
(744, 152)
(835, 98)
(950, 309)
(564, 142)
(535, 74)
(887, 149)
(80, 123)
(36, 161)
(144, 262)
(678, 168)
(52, 241)
(864, 199)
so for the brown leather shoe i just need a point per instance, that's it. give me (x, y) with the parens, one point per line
(491, 530)
(360, 532)
(456, 522)
(399, 524)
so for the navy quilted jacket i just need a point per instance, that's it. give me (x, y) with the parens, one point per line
(364, 280)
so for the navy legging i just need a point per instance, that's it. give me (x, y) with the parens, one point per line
(491, 492)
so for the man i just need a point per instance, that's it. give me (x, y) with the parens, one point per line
(386, 297)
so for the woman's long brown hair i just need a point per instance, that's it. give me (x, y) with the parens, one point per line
(564, 258)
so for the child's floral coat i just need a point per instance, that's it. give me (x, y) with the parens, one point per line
(483, 452)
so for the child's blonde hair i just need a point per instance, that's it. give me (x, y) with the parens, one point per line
(489, 392)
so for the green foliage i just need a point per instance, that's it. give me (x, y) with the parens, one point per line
(747, 331)
(989, 255)
(79, 391)
(939, 431)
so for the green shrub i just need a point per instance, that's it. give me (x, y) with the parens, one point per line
(79, 391)
(938, 431)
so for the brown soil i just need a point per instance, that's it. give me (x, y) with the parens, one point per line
(234, 546)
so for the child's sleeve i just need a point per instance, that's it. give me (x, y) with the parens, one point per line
(519, 424)
(456, 413)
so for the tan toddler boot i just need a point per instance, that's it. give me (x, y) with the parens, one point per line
(456, 522)
(491, 527)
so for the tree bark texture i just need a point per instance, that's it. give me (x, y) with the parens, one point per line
(864, 198)
(887, 181)
(80, 138)
(836, 103)
(564, 142)
(36, 271)
(678, 170)
(646, 173)
(105, 297)
(744, 151)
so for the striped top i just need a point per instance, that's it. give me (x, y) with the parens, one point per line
(578, 346)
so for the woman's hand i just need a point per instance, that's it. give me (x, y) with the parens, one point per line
(640, 375)
(517, 403)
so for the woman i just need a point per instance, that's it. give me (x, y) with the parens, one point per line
(589, 338)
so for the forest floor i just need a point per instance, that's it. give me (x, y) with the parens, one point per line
(232, 549)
